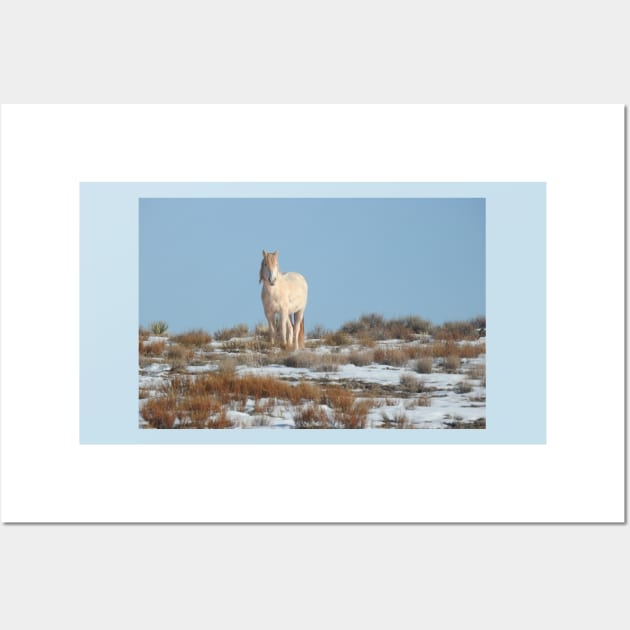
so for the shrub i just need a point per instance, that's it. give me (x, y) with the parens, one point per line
(160, 412)
(220, 421)
(175, 387)
(459, 330)
(304, 391)
(459, 423)
(318, 332)
(462, 350)
(225, 334)
(478, 373)
(411, 383)
(300, 359)
(179, 356)
(424, 365)
(402, 420)
(452, 362)
(311, 416)
(360, 358)
(154, 349)
(227, 365)
(338, 397)
(159, 327)
(354, 417)
(260, 420)
(365, 340)
(390, 356)
(376, 327)
(463, 387)
(236, 346)
(197, 410)
(417, 324)
(348, 413)
(197, 337)
(399, 421)
(369, 322)
(261, 329)
(339, 338)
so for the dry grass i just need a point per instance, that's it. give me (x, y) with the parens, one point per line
(424, 365)
(207, 400)
(452, 363)
(220, 421)
(196, 338)
(311, 416)
(411, 384)
(260, 420)
(400, 420)
(229, 387)
(153, 349)
(460, 330)
(458, 423)
(339, 338)
(478, 373)
(160, 412)
(376, 327)
(386, 355)
(461, 350)
(304, 391)
(463, 387)
(197, 410)
(355, 417)
(225, 334)
(360, 357)
(179, 357)
(348, 413)
(311, 360)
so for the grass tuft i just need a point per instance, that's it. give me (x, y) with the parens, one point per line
(196, 338)
(225, 334)
(159, 327)
(311, 416)
(160, 412)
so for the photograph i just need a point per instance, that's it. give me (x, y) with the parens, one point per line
(312, 313)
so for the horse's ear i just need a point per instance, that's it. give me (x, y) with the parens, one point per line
(276, 254)
(264, 253)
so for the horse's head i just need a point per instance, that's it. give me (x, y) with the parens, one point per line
(269, 269)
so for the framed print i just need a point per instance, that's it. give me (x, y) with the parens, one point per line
(397, 370)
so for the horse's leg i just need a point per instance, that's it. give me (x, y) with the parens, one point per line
(298, 328)
(289, 330)
(272, 327)
(285, 325)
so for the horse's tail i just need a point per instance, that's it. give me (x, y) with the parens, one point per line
(301, 339)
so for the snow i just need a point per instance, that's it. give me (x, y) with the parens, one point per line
(437, 401)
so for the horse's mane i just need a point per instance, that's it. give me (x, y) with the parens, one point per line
(260, 273)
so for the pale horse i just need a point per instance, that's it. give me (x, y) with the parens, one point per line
(283, 294)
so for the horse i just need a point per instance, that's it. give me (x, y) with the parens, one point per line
(283, 294)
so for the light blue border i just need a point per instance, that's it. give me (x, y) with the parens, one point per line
(515, 303)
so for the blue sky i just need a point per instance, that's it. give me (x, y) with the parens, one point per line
(199, 258)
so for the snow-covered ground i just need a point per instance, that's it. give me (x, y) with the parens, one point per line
(398, 396)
